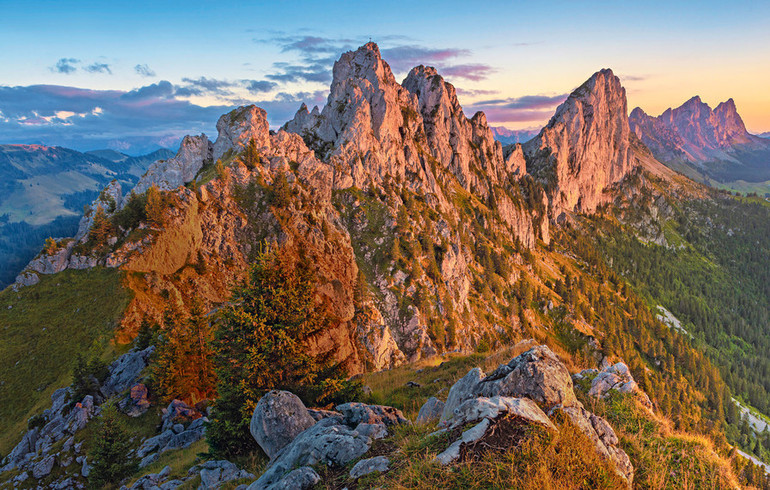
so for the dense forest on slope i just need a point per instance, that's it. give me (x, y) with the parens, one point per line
(716, 281)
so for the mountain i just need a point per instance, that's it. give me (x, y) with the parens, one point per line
(585, 146)
(43, 191)
(702, 142)
(511, 136)
(426, 251)
(764, 135)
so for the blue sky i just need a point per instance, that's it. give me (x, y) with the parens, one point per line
(134, 75)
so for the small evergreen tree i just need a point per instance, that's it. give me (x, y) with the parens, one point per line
(154, 206)
(101, 227)
(87, 376)
(280, 195)
(110, 453)
(251, 156)
(50, 246)
(146, 335)
(261, 345)
(183, 367)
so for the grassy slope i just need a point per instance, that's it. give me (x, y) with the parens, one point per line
(662, 458)
(42, 328)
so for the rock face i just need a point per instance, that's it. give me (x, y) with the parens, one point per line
(585, 146)
(695, 134)
(194, 152)
(615, 377)
(277, 420)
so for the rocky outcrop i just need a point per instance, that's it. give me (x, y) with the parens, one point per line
(193, 154)
(516, 393)
(536, 374)
(430, 411)
(125, 371)
(584, 148)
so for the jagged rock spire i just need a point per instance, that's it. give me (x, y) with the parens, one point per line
(585, 147)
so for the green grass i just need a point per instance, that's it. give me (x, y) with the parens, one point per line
(42, 328)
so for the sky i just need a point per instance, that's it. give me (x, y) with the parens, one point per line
(133, 76)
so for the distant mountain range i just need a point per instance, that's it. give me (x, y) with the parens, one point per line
(510, 136)
(705, 144)
(43, 190)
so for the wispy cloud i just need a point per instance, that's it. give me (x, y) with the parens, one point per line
(99, 68)
(259, 86)
(144, 70)
(528, 108)
(65, 65)
(317, 54)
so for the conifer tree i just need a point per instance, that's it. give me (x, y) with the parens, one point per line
(110, 460)
(154, 206)
(261, 345)
(251, 156)
(101, 228)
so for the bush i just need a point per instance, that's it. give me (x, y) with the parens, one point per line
(87, 377)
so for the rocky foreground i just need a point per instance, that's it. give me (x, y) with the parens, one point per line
(533, 389)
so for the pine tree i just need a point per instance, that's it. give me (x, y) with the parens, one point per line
(260, 346)
(251, 156)
(183, 367)
(154, 206)
(101, 228)
(110, 454)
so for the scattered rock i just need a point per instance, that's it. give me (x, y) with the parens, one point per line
(616, 377)
(413, 384)
(430, 411)
(125, 371)
(356, 413)
(377, 464)
(277, 419)
(215, 473)
(43, 467)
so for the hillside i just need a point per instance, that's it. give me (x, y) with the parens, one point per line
(379, 236)
(43, 191)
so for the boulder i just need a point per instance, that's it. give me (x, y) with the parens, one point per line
(430, 411)
(356, 413)
(215, 473)
(277, 419)
(318, 414)
(464, 389)
(616, 377)
(178, 411)
(136, 402)
(43, 467)
(372, 431)
(299, 479)
(536, 374)
(326, 442)
(378, 464)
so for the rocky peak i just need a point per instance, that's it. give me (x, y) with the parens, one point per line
(695, 133)
(239, 126)
(169, 174)
(585, 147)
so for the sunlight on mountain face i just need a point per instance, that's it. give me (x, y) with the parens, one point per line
(370, 265)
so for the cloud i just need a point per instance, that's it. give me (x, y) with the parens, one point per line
(474, 72)
(317, 54)
(259, 86)
(474, 92)
(65, 65)
(99, 68)
(528, 108)
(207, 86)
(144, 70)
(135, 121)
(633, 78)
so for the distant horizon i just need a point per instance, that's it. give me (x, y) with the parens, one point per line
(84, 80)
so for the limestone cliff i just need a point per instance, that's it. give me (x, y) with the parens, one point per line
(585, 147)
